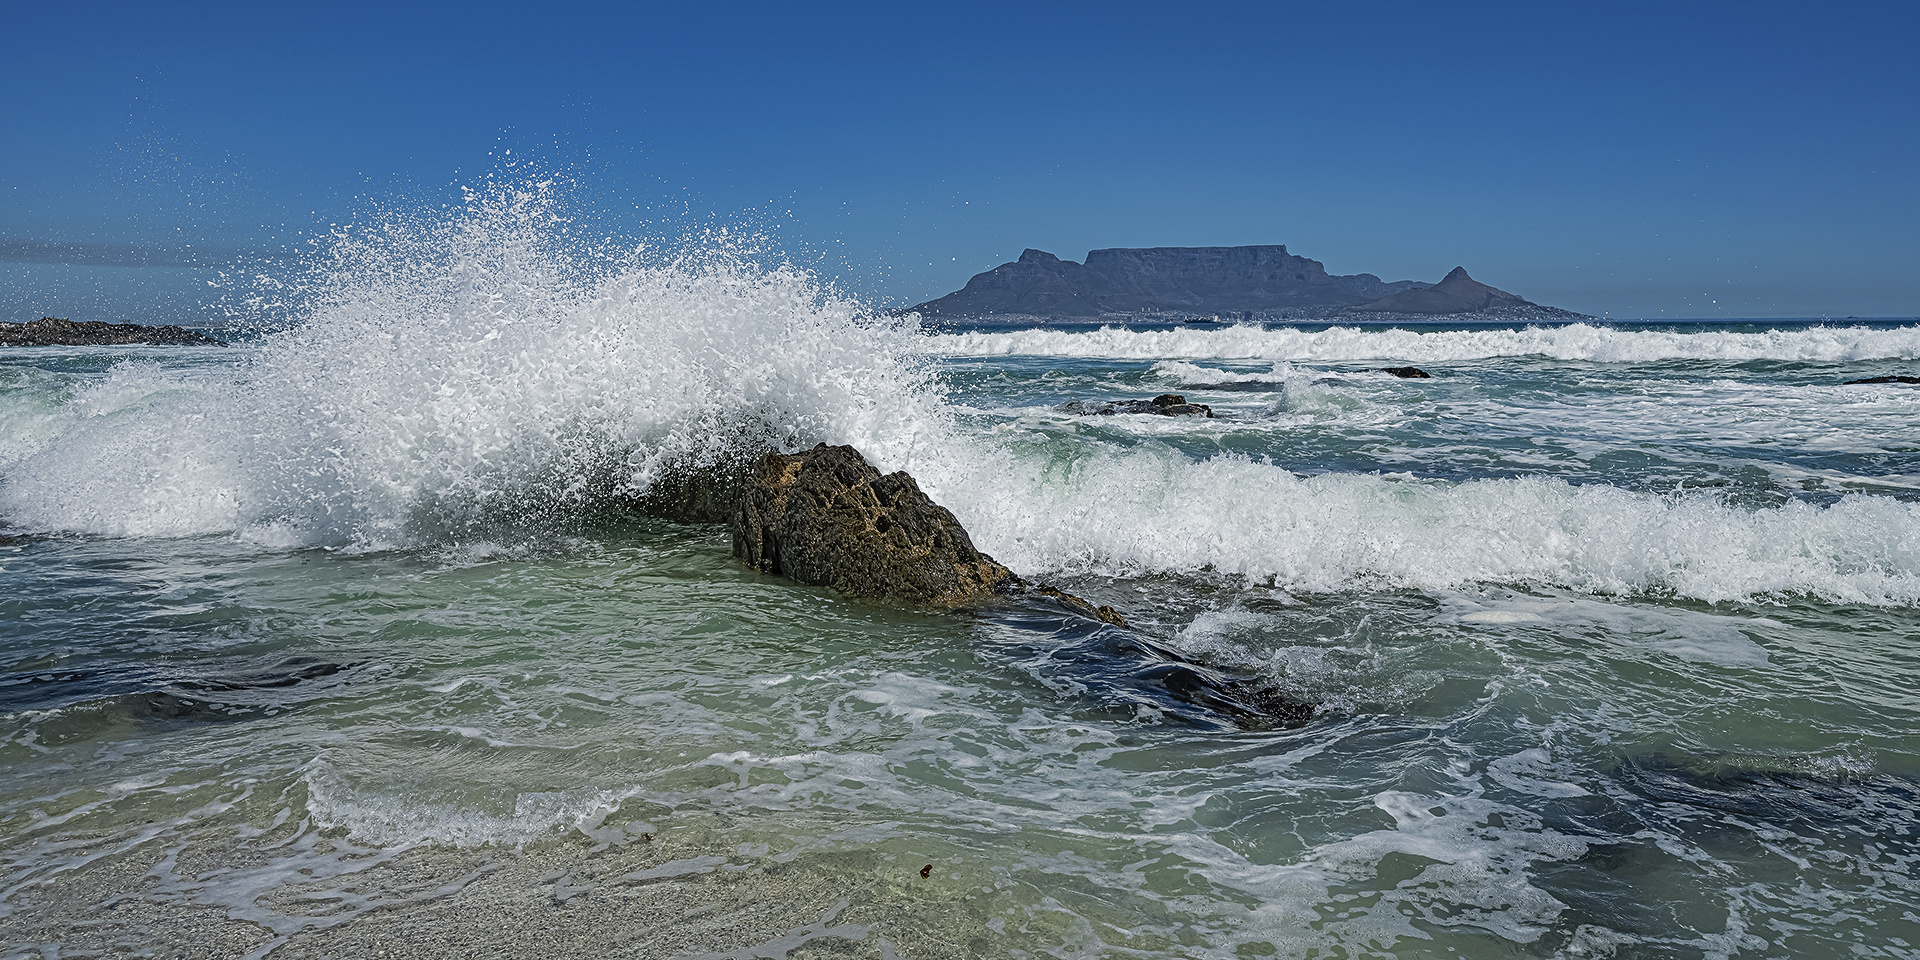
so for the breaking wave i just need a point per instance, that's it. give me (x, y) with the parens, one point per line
(1153, 510)
(483, 370)
(1577, 341)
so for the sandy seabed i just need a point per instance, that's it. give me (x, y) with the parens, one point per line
(682, 894)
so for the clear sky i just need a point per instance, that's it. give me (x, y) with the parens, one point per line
(1659, 159)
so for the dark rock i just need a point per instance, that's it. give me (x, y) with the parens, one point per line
(1130, 669)
(1891, 378)
(696, 493)
(1407, 373)
(1104, 614)
(1166, 405)
(827, 517)
(48, 332)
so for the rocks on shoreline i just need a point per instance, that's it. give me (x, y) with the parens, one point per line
(55, 332)
(1166, 405)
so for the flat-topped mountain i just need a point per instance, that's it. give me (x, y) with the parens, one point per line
(1167, 282)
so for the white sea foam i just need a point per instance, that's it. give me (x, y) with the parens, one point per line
(1578, 341)
(392, 820)
(1191, 373)
(1152, 509)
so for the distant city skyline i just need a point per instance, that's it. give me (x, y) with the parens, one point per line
(1753, 160)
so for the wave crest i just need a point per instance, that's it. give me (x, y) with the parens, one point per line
(1575, 341)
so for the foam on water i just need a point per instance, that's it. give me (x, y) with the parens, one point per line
(476, 371)
(1154, 510)
(1575, 341)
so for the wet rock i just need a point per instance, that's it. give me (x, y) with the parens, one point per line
(827, 517)
(1407, 373)
(1166, 405)
(1104, 614)
(1894, 378)
(705, 494)
(50, 331)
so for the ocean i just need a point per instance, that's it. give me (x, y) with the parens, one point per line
(338, 641)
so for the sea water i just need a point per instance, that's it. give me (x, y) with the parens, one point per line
(1612, 629)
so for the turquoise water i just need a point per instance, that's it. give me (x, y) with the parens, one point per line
(1613, 628)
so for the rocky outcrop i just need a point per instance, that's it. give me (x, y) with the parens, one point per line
(828, 518)
(1165, 405)
(1160, 282)
(1407, 373)
(49, 332)
(1890, 378)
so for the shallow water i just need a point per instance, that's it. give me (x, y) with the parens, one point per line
(1613, 631)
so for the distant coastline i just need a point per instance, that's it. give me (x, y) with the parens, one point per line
(1197, 284)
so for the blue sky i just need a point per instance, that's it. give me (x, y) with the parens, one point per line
(1624, 159)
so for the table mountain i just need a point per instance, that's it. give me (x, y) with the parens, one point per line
(1160, 283)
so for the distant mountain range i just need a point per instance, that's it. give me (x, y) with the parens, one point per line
(1228, 282)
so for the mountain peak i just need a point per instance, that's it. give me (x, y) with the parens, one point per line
(1456, 293)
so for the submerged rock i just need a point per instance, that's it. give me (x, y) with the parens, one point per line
(1407, 373)
(1891, 378)
(51, 332)
(1166, 405)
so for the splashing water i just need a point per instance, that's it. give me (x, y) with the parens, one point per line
(457, 377)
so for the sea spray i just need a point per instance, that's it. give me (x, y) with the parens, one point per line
(456, 377)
